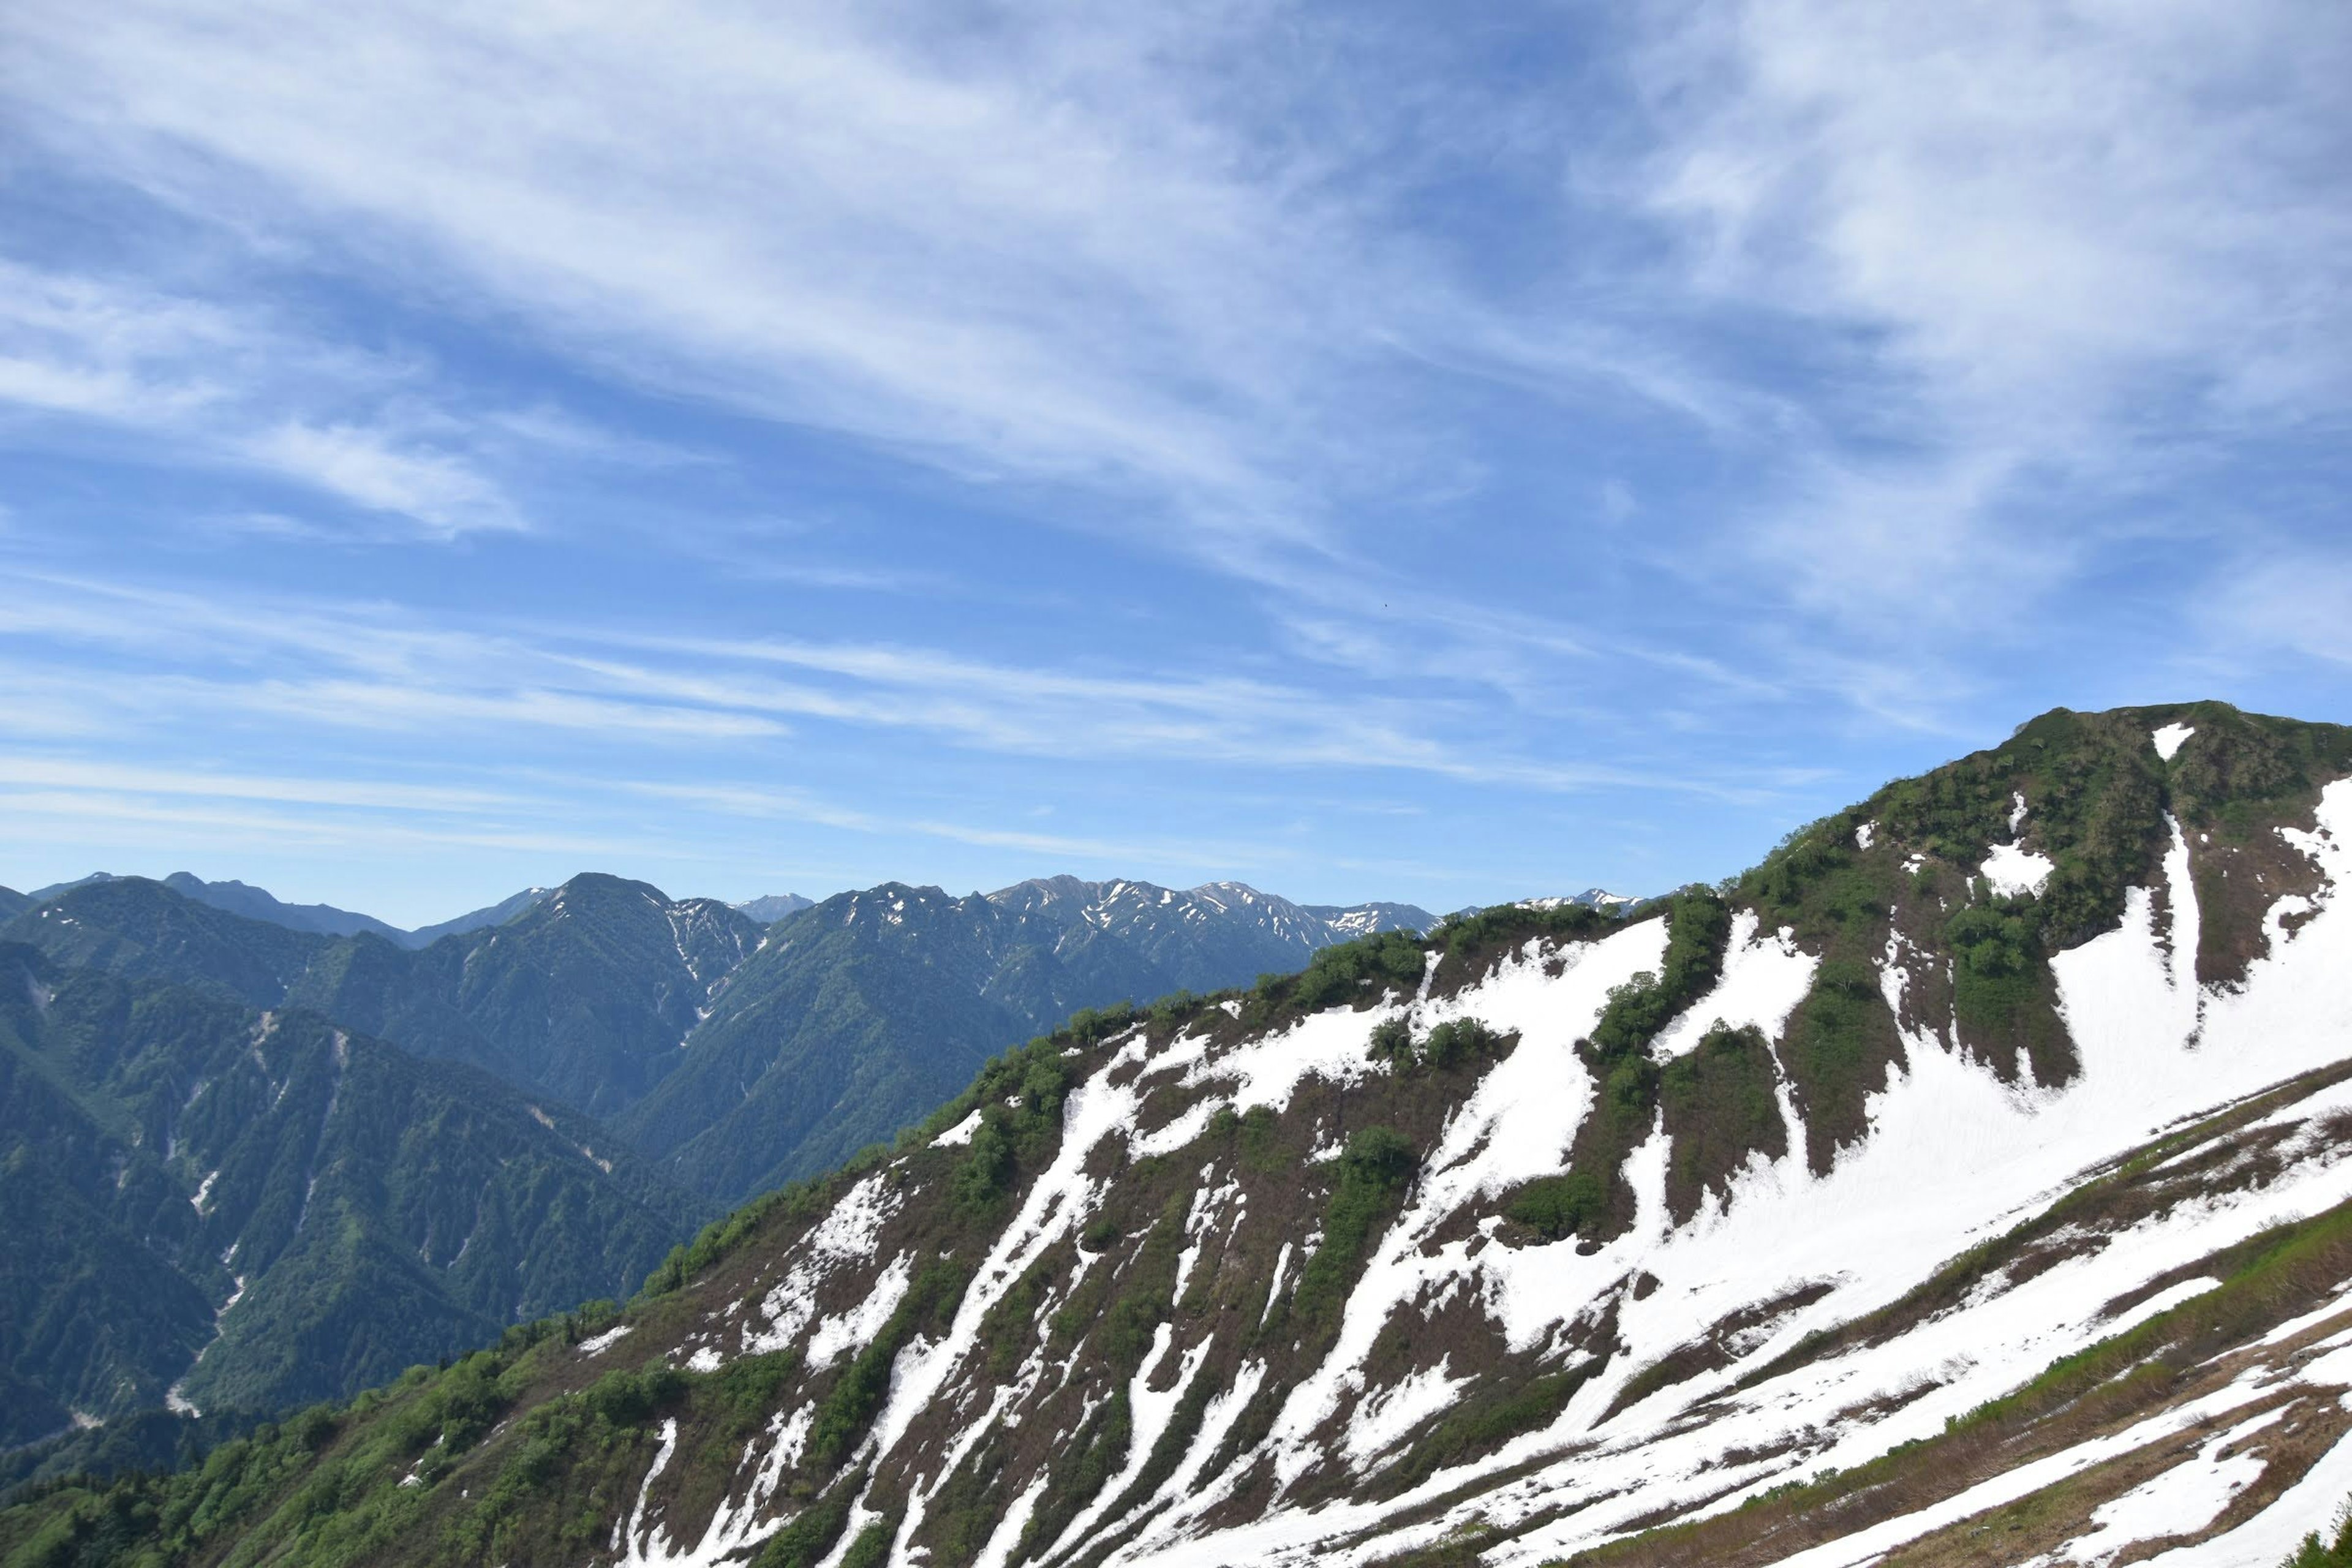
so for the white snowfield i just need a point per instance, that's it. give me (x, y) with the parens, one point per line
(1953, 1157)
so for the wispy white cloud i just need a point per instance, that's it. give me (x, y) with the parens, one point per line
(768, 803)
(923, 250)
(83, 773)
(2045, 245)
(194, 382)
(339, 667)
(2297, 600)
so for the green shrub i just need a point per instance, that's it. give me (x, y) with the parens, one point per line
(628, 1398)
(850, 1404)
(1353, 970)
(1559, 1206)
(1373, 1169)
(1458, 1040)
(804, 1543)
(2333, 1552)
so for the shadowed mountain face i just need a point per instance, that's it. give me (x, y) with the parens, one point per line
(584, 997)
(255, 1209)
(1968, 1182)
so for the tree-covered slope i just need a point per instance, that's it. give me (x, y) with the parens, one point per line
(144, 931)
(255, 1210)
(853, 1020)
(855, 1016)
(1970, 1182)
(584, 997)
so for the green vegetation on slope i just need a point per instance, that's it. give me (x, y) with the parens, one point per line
(160, 1145)
(1593, 1198)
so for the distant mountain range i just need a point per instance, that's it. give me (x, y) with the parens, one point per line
(254, 1153)
(326, 919)
(738, 1054)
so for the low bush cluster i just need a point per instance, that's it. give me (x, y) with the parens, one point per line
(1374, 1169)
(1449, 1045)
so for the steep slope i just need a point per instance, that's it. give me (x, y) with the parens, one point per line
(585, 997)
(260, 1209)
(852, 1020)
(1970, 1182)
(495, 915)
(144, 931)
(13, 903)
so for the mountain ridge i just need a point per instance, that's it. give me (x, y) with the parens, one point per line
(600, 991)
(1967, 1177)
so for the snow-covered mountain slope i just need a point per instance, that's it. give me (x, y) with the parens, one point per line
(1855, 1212)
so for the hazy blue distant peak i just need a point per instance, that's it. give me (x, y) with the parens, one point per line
(769, 908)
(257, 903)
(495, 915)
(243, 899)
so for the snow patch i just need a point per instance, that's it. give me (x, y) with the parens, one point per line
(855, 1329)
(2014, 872)
(1764, 978)
(2170, 739)
(1383, 1420)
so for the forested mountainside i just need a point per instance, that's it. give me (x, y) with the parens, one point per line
(1968, 1182)
(736, 1055)
(583, 998)
(254, 1210)
(856, 1018)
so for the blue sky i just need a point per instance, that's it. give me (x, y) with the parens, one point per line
(1434, 453)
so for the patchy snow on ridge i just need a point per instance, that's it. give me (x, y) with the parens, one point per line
(2170, 739)
(1940, 1154)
